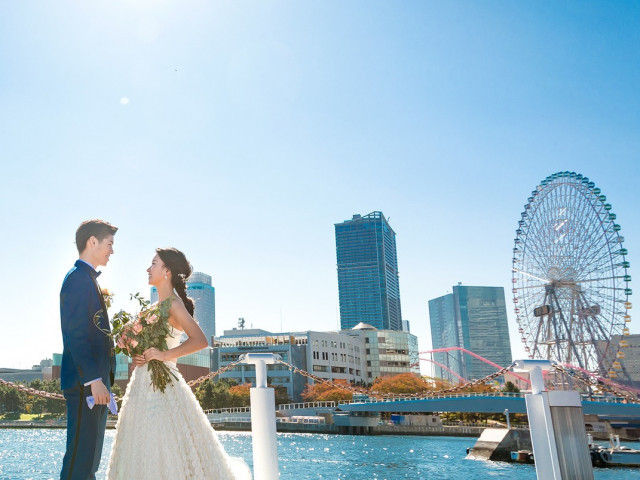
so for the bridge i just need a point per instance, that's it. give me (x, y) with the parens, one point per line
(474, 402)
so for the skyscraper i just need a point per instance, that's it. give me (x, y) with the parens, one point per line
(474, 318)
(368, 283)
(199, 288)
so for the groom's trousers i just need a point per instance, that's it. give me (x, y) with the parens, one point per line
(85, 435)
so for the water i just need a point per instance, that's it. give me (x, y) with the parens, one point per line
(37, 454)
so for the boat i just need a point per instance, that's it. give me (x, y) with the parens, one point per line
(522, 456)
(615, 455)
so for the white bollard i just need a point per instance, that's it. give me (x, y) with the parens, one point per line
(263, 419)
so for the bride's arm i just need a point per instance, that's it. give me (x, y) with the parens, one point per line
(185, 322)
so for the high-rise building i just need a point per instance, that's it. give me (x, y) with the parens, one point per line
(474, 318)
(199, 289)
(368, 283)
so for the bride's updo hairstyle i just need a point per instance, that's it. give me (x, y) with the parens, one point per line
(180, 269)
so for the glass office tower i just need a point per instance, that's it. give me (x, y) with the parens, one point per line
(444, 333)
(474, 318)
(368, 283)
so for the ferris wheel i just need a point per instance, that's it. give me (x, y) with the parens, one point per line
(570, 277)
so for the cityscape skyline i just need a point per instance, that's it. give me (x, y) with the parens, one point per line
(443, 116)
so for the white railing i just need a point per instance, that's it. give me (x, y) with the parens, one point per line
(229, 410)
(585, 397)
(231, 420)
(290, 406)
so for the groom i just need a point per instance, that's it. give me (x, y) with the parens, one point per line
(88, 359)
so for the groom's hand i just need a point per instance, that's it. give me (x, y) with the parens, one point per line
(100, 393)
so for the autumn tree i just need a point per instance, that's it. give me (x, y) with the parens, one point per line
(403, 383)
(325, 392)
(281, 394)
(240, 395)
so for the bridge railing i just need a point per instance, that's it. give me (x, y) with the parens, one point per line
(290, 406)
(431, 397)
(228, 410)
(309, 405)
(585, 397)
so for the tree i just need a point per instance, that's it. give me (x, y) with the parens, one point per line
(240, 395)
(282, 396)
(14, 401)
(117, 391)
(403, 383)
(510, 387)
(212, 394)
(36, 403)
(325, 392)
(480, 388)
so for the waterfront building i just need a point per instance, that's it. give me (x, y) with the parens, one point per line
(474, 318)
(387, 352)
(290, 346)
(368, 282)
(200, 289)
(357, 355)
(337, 356)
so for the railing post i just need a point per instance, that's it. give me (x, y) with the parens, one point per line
(263, 419)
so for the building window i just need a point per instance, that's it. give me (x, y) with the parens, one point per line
(320, 368)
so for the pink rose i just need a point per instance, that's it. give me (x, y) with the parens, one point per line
(136, 328)
(152, 319)
(121, 342)
(133, 343)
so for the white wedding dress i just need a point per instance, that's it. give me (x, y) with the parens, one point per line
(167, 435)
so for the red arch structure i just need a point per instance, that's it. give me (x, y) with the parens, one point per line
(475, 355)
(442, 366)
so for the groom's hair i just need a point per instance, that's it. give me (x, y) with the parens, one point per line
(93, 228)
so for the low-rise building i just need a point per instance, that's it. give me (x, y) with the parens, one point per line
(354, 356)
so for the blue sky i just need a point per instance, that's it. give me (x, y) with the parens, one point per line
(240, 132)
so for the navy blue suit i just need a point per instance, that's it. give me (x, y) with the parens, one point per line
(88, 355)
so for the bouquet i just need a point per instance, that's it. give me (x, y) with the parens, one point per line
(133, 334)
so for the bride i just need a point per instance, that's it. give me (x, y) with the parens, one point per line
(167, 435)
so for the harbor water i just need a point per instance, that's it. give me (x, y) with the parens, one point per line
(37, 454)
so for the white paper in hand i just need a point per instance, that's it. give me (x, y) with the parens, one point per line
(113, 406)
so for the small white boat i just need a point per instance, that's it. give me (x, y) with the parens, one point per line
(615, 456)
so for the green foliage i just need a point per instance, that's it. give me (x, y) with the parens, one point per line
(117, 391)
(282, 396)
(213, 395)
(510, 387)
(14, 401)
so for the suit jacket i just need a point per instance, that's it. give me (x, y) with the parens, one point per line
(88, 352)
